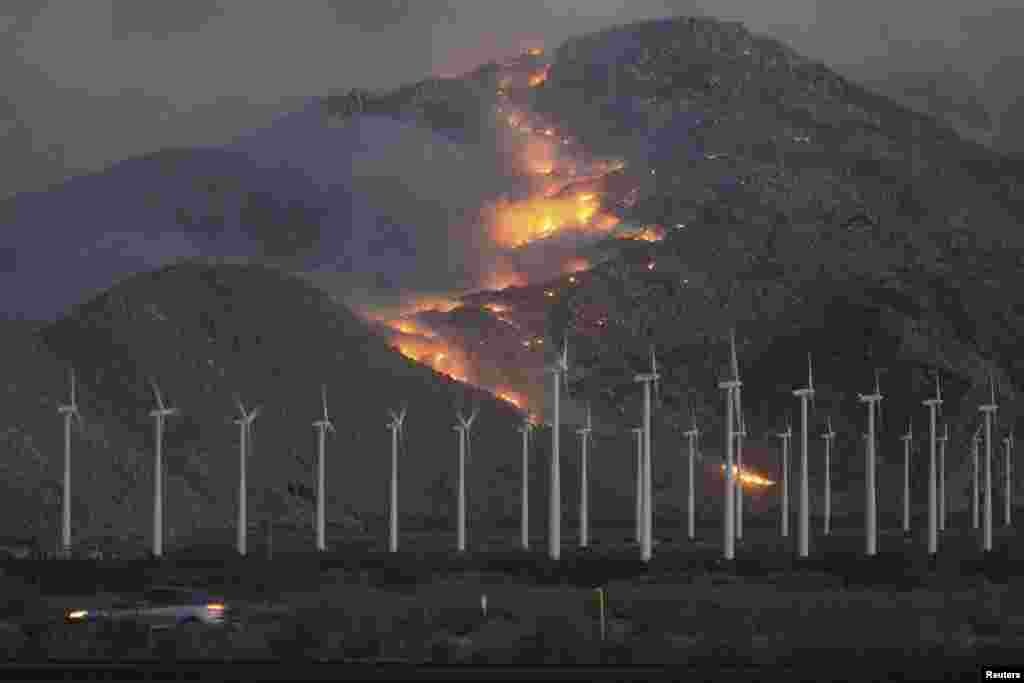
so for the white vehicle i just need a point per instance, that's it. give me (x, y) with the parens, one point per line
(162, 607)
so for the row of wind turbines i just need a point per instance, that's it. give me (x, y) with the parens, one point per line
(733, 466)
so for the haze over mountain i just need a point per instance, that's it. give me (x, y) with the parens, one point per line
(89, 85)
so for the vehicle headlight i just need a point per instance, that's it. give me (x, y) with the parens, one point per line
(77, 614)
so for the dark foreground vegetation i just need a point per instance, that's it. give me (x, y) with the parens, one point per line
(895, 613)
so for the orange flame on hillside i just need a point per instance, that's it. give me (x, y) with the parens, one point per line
(538, 77)
(516, 224)
(648, 233)
(576, 265)
(750, 478)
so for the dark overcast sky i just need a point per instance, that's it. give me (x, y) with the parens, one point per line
(88, 83)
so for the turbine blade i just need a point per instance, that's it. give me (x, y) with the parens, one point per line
(156, 393)
(735, 362)
(73, 386)
(810, 372)
(241, 408)
(323, 397)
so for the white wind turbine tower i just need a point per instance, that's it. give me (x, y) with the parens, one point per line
(933, 533)
(396, 426)
(942, 476)
(870, 510)
(525, 501)
(639, 433)
(244, 423)
(741, 433)
(975, 475)
(731, 388)
(464, 429)
(907, 439)
(647, 516)
(829, 437)
(322, 427)
(159, 415)
(785, 436)
(584, 433)
(988, 410)
(1008, 498)
(560, 370)
(692, 435)
(68, 411)
(804, 527)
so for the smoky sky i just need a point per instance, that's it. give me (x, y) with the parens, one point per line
(90, 83)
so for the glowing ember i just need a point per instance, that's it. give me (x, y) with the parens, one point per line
(649, 233)
(576, 265)
(650, 266)
(535, 51)
(496, 308)
(572, 279)
(512, 397)
(750, 478)
(538, 77)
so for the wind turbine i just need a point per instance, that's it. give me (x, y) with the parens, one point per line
(1008, 502)
(829, 437)
(322, 427)
(975, 475)
(731, 388)
(244, 423)
(692, 435)
(942, 476)
(646, 379)
(560, 370)
(68, 411)
(870, 511)
(639, 432)
(741, 432)
(933, 533)
(397, 420)
(525, 502)
(785, 436)
(804, 527)
(907, 439)
(159, 414)
(988, 410)
(463, 428)
(584, 433)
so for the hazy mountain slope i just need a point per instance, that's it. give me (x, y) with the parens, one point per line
(832, 220)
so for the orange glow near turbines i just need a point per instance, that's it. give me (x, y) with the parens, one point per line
(750, 479)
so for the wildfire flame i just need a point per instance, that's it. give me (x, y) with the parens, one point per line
(648, 233)
(516, 224)
(577, 265)
(433, 353)
(750, 478)
(512, 397)
(411, 328)
(538, 77)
